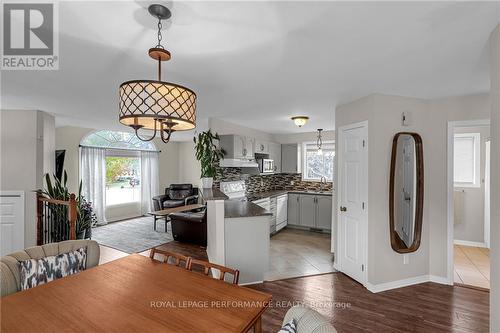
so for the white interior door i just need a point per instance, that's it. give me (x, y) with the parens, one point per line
(352, 200)
(11, 222)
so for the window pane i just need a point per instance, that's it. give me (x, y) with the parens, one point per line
(114, 139)
(464, 163)
(123, 177)
(317, 165)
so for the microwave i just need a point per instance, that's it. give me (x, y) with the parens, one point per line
(265, 165)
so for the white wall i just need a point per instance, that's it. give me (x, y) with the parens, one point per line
(302, 137)
(223, 127)
(430, 120)
(68, 138)
(495, 181)
(27, 153)
(471, 226)
(189, 166)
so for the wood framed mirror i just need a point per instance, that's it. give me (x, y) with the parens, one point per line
(406, 192)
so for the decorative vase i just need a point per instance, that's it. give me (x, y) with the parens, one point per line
(207, 182)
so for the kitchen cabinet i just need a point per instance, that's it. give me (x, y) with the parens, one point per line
(261, 147)
(275, 155)
(289, 158)
(293, 209)
(307, 211)
(310, 211)
(237, 146)
(324, 212)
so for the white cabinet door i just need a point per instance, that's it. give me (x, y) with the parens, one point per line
(275, 155)
(289, 158)
(249, 149)
(281, 209)
(324, 212)
(307, 210)
(293, 209)
(239, 146)
(11, 221)
(261, 147)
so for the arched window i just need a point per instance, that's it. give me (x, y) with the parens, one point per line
(117, 140)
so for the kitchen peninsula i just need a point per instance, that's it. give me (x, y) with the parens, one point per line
(237, 235)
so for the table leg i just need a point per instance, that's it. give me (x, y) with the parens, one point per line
(166, 222)
(154, 222)
(257, 327)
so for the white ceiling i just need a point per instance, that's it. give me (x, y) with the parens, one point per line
(259, 63)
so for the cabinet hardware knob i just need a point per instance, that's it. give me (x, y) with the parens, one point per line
(343, 209)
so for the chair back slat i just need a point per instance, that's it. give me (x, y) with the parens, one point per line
(207, 266)
(178, 258)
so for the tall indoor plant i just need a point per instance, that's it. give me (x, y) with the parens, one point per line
(209, 155)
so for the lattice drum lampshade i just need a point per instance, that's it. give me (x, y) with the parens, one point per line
(156, 105)
(146, 103)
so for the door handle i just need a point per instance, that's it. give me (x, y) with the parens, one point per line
(343, 209)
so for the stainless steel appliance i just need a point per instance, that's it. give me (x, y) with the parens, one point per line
(265, 165)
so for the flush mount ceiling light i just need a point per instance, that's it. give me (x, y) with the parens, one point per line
(319, 142)
(157, 105)
(300, 120)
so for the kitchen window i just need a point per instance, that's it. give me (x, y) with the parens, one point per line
(316, 164)
(466, 160)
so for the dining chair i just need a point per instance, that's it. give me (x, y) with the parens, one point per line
(207, 266)
(177, 258)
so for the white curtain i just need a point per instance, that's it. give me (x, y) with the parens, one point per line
(93, 176)
(149, 179)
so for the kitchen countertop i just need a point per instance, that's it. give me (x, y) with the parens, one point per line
(212, 194)
(274, 193)
(236, 209)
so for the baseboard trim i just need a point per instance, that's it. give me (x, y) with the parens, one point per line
(376, 288)
(440, 280)
(468, 243)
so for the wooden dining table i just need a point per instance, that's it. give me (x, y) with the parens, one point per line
(134, 293)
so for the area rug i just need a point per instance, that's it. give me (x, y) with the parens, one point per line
(134, 235)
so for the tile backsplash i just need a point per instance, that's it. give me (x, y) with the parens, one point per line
(263, 183)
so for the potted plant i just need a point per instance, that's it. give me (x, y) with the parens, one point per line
(85, 215)
(209, 155)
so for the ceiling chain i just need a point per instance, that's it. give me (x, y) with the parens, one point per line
(160, 26)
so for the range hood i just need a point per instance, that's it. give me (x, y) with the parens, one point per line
(237, 163)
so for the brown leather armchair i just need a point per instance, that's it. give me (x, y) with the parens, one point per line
(176, 195)
(190, 227)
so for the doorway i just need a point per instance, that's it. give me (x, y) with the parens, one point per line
(469, 203)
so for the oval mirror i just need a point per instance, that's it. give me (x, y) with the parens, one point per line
(406, 197)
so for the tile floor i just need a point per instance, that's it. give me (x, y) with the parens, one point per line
(472, 266)
(293, 253)
(299, 253)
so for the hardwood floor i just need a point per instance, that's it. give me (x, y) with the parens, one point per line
(472, 266)
(427, 307)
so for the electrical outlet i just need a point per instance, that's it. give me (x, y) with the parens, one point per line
(292, 182)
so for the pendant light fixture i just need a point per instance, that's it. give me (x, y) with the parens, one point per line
(300, 120)
(319, 142)
(155, 104)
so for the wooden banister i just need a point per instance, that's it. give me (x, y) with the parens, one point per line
(50, 229)
(73, 213)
